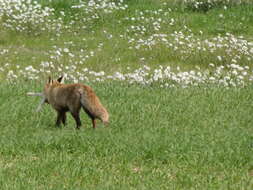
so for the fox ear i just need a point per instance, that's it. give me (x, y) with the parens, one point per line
(60, 79)
(49, 79)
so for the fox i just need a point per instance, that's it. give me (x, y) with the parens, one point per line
(71, 98)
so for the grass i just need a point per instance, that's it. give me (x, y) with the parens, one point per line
(192, 138)
(237, 20)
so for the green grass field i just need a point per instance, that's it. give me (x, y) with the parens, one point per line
(157, 139)
(183, 137)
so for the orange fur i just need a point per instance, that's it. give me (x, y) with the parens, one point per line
(73, 97)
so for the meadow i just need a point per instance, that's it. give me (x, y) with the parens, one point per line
(176, 77)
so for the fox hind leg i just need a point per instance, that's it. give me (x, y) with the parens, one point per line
(77, 119)
(91, 117)
(64, 118)
(93, 123)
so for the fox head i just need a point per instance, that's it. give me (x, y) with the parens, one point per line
(51, 83)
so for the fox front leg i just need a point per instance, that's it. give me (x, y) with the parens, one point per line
(61, 118)
(58, 120)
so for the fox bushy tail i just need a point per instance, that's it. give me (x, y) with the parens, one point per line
(92, 104)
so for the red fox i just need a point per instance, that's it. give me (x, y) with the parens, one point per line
(73, 97)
